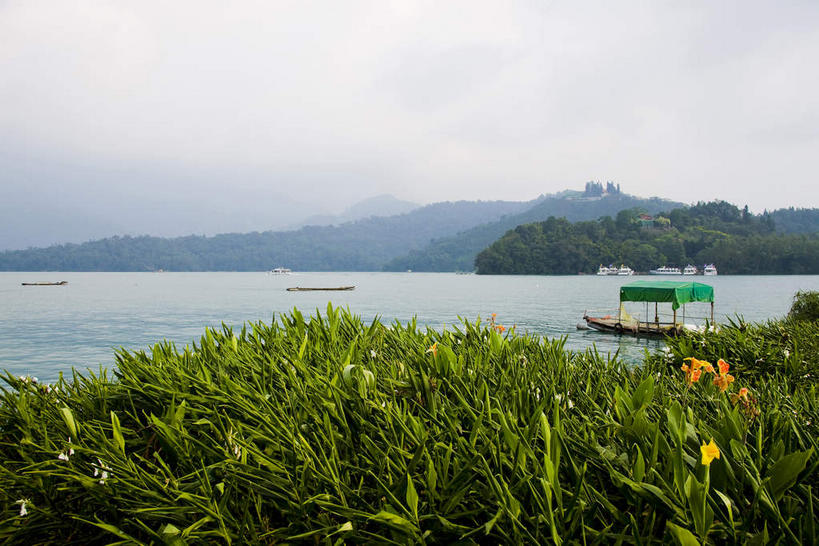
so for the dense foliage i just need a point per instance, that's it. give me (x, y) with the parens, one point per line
(805, 306)
(364, 245)
(793, 220)
(327, 430)
(718, 232)
(458, 252)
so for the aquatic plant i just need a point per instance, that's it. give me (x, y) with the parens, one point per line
(325, 429)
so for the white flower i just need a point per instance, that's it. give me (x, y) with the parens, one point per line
(64, 455)
(373, 353)
(101, 471)
(23, 509)
(787, 353)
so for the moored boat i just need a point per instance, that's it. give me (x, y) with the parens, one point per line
(690, 270)
(663, 270)
(42, 283)
(709, 269)
(674, 292)
(280, 271)
(603, 270)
(625, 270)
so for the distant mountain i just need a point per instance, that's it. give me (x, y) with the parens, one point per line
(364, 245)
(457, 252)
(380, 205)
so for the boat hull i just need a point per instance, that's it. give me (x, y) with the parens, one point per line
(613, 326)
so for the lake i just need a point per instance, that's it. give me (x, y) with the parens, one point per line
(48, 329)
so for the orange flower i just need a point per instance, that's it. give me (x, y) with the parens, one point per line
(697, 364)
(433, 349)
(709, 451)
(692, 373)
(500, 328)
(723, 366)
(744, 396)
(723, 381)
(708, 367)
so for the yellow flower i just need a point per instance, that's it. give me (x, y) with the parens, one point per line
(710, 451)
(433, 349)
(723, 381)
(708, 367)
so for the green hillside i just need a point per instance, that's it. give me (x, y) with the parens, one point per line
(458, 252)
(737, 241)
(364, 245)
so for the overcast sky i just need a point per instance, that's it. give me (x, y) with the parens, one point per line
(327, 103)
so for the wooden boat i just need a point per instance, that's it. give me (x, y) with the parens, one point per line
(308, 289)
(673, 292)
(58, 283)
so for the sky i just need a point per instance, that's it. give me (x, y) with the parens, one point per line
(199, 116)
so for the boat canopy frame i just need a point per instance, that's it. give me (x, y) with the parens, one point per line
(676, 293)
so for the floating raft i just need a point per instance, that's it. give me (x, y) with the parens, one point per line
(306, 289)
(58, 283)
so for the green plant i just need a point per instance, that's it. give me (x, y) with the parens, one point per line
(327, 430)
(805, 305)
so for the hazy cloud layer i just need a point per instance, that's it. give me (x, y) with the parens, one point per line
(243, 114)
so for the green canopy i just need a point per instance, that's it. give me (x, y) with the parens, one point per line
(677, 293)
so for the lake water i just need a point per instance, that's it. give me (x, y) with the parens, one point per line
(49, 329)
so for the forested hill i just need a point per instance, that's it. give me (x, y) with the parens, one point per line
(364, 245)
(737, 241)
(793, 220)
(458, 252)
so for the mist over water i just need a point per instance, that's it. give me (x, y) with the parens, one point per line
(48, 330)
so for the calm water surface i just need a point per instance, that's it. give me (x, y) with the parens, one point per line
(46, 330)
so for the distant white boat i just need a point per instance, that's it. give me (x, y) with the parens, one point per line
(625, 270)
(610, 270)
(666, 271)
(690, 270)
(280, 271)
(710, 269)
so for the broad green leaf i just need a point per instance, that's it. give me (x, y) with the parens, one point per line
(782, 475)
(117, 432)
(683, 536)
(68, 417)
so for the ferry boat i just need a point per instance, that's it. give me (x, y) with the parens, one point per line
(710, 269)
(610, 270)
(280, 271)
(690, 270)
(663, 270)
(625, 270)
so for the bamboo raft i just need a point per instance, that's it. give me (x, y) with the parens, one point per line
(58, 283)
(306, 289)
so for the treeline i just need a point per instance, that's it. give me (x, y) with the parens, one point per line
(458, 252)
(738, 241)
(364, 245)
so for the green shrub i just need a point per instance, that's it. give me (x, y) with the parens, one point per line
(328, 430)
(805, 306)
